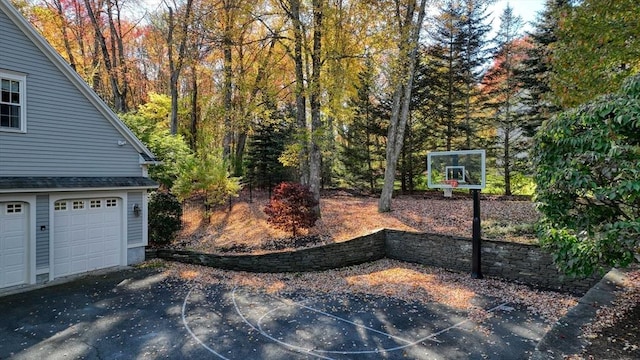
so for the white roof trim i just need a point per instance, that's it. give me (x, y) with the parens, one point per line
(44, 46)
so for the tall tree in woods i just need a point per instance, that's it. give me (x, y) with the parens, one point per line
(536, 71)
(106, 16)
(178, 22)
(265, 146)
(429, 86)
(199, 49)
(293, 10)
(228, 11)
(308, 86)
(317, 126)
(248, 52)
(504, 93)
(359, 152)
(408, 18)
(65, 30)
(475, 51)
(458, 52)
(446, 55)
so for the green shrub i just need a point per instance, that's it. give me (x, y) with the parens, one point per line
(206, 175)
(165, 217)
(150, 125)
(291, 207)
(588, 183)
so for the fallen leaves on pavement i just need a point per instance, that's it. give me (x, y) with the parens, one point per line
(391, 278)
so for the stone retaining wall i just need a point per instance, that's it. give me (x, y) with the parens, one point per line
(357, 251)
(527, 264)
(522, 263)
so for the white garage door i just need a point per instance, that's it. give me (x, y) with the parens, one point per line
(87, 235)
(13, 243)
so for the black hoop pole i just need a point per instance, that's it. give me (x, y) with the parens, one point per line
(476, 271)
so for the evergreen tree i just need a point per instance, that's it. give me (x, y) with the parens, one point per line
(264, 148)
(420, 136)
(504, 95)
(445, 56)
(536, 70)
(361, 152)
(460, 50)
(429, 109)
(475, 52)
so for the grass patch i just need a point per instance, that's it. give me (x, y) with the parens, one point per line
(500, 229)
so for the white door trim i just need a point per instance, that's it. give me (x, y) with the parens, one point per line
(31, 231)
(122, 195)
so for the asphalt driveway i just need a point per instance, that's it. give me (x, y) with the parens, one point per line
(144, 314)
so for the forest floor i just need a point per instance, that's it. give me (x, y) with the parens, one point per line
(241, 227)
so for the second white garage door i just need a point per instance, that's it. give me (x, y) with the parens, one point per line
(87, 235)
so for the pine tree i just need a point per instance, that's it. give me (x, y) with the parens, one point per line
(475, 52)
(460, 50)
(264, 148)
(446, 57)
(504, 95)
(360, 152)
(428, 107)
(536, 71)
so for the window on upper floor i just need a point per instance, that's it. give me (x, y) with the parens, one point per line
(12, 102)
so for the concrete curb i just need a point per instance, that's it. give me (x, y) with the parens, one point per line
(565, 337)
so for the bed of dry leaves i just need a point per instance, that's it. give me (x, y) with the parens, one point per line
(243, 226)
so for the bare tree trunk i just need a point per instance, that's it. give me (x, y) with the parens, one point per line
(315, 156)
(119, 60)
(175, 65)
(227, 89)
(301, 108)
(507, 162)
(195, 111)
(96, 79)
(401, 102)
(118, 101)
(450, 117)
(65, 36)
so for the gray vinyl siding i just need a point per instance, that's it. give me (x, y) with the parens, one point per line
(66, 134)
(42, 236)
(134, 223)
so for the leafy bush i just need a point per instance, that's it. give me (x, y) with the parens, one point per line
(165, 217)
(150, 125)
(588, 183)
(206, 175)
(291, 207)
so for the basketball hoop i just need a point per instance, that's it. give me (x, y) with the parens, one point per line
(448, 188)
(453, 183)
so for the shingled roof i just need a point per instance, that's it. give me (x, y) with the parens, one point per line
(11, 184)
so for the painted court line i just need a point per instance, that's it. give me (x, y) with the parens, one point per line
(300, 304)
(318, 352)
(293, 347)
(186, 325)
